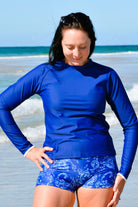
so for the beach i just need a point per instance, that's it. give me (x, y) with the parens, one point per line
(18, 175)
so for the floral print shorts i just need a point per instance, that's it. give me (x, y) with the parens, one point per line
(70, 174)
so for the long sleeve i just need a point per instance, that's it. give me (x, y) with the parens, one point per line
(124, 111)
(14, 95)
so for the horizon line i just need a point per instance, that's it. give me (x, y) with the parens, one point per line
(95, 45)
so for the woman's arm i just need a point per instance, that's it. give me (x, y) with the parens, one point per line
(120, 104)
(13, 96)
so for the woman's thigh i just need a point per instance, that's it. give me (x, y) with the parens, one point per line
(46, 196)
(94, 197)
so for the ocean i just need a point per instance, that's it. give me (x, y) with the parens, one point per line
(15, 52)
(18, 175)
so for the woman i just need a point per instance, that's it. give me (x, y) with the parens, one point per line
(78, 153)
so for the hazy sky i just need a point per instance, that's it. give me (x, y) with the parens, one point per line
(33, 22)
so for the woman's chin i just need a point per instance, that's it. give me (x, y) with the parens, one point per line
(77, 63)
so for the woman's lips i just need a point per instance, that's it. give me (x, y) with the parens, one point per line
(76, 59)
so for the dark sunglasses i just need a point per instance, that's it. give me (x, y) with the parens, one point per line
(66, 20)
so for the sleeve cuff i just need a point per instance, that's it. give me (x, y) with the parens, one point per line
(122, 176)
(28, 151)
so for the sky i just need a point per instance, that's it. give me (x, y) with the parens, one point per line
(33, 22)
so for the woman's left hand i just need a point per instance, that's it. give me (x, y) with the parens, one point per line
(117, 190)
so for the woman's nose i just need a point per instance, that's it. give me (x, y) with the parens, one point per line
(76, 52)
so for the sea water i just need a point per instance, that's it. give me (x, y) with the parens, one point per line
(17, 176)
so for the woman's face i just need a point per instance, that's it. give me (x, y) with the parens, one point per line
(76, 46)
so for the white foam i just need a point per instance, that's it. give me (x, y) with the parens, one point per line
(35, 133)
(29, 107)
(31, 133)
(133, 93)
(23, 57)
(46, 56)
(3, 139)
(116, 53)
(111, 119)
(133, 96)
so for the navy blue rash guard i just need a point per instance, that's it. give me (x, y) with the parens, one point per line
(74, 100)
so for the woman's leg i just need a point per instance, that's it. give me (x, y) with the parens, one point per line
(94, 197)
(49, 196)
(97, 191)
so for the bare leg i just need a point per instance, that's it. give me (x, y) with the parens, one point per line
(49, 196)
(94, 197)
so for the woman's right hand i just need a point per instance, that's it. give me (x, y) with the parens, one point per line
(37, 155)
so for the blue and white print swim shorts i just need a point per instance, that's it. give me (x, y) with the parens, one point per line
(70, 174)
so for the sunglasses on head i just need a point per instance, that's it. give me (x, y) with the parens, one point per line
(66, 20)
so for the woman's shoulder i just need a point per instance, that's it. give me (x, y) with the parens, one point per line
(40, 69)
(43, 67)
(103, 68)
